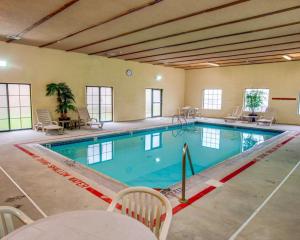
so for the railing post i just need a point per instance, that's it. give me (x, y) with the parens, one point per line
(185, 152)
(183, 200)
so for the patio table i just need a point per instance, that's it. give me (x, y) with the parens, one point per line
(84, 225)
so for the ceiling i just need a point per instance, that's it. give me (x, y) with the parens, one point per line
(186, 34)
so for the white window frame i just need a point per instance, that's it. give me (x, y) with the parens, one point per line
(215, 94)
(263, 108)
(101, 104)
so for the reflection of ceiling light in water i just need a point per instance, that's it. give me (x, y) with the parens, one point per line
(157, 159)
(287, 57)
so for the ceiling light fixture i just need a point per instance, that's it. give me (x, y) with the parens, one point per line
(213, 64)
(3, 63)
(287, 57)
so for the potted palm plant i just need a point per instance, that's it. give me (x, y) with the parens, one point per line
(254, 100)
(65, 98)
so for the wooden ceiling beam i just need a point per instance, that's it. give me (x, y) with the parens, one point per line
(44, 19)
(195, 30)
(130, 11)
(204, 39)
(231, 59)
(224, 45)
(209, 59)
(160, 24)
(276, 60)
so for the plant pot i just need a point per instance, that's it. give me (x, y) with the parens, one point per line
(253, 115)
(64, 118)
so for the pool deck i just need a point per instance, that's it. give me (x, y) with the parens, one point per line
(254, 204)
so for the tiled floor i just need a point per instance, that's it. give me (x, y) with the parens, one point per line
(218, 215)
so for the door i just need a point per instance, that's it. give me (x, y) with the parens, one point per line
(15, 106)
(153, 102)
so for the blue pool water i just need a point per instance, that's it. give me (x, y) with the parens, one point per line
(153, 158)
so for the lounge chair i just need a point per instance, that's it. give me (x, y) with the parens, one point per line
(147, 206)
(7, 216)
(86, 120)
(45, 123)
(235, 115)
(267, 118)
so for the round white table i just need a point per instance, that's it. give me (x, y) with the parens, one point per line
(84, 225)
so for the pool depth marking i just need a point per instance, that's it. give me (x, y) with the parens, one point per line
(78, 182)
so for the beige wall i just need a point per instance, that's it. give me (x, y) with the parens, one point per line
(41, 66)
(283, 80)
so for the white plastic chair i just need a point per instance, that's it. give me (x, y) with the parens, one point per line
(44, 122)
(84, 117)
(268, 117)
(147, 206)
(7, 224)
(235, 115)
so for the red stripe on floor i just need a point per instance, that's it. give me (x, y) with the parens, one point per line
(238, 171)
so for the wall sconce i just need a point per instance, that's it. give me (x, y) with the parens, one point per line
(158, 77)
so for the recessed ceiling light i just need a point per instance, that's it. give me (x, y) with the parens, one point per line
(3, 63)
(213, 64)
(157, 160)
(287, 57)
(14, 37)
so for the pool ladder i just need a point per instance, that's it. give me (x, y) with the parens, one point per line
(180, 119)
(185, 152)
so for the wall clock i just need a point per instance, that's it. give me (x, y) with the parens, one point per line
(129, 72)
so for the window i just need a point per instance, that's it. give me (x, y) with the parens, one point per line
(212, 99)
(99, 103)
(152, 141)
(265, 98)
(100, 152)
(211, 138)
(15, 107)
(153, 102)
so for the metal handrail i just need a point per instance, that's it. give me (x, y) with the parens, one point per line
(185, 152)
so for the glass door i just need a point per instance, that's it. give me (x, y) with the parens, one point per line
(153, 102)
(15, 107)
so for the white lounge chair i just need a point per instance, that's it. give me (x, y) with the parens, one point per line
(7, 222)
(85, 119)
(267, 118)
(235, 115)
(45, 123)
(147, 206)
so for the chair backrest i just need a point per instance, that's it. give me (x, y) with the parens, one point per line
(83, 114)
(44, 117)
(237, 111)
(147, 206)
(7, 222)
(269, 114)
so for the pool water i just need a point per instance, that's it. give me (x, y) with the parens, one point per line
(153, 158)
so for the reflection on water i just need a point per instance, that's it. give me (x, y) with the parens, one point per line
(152, 141)
(211, 138)
(249, 140)
(99, 152)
